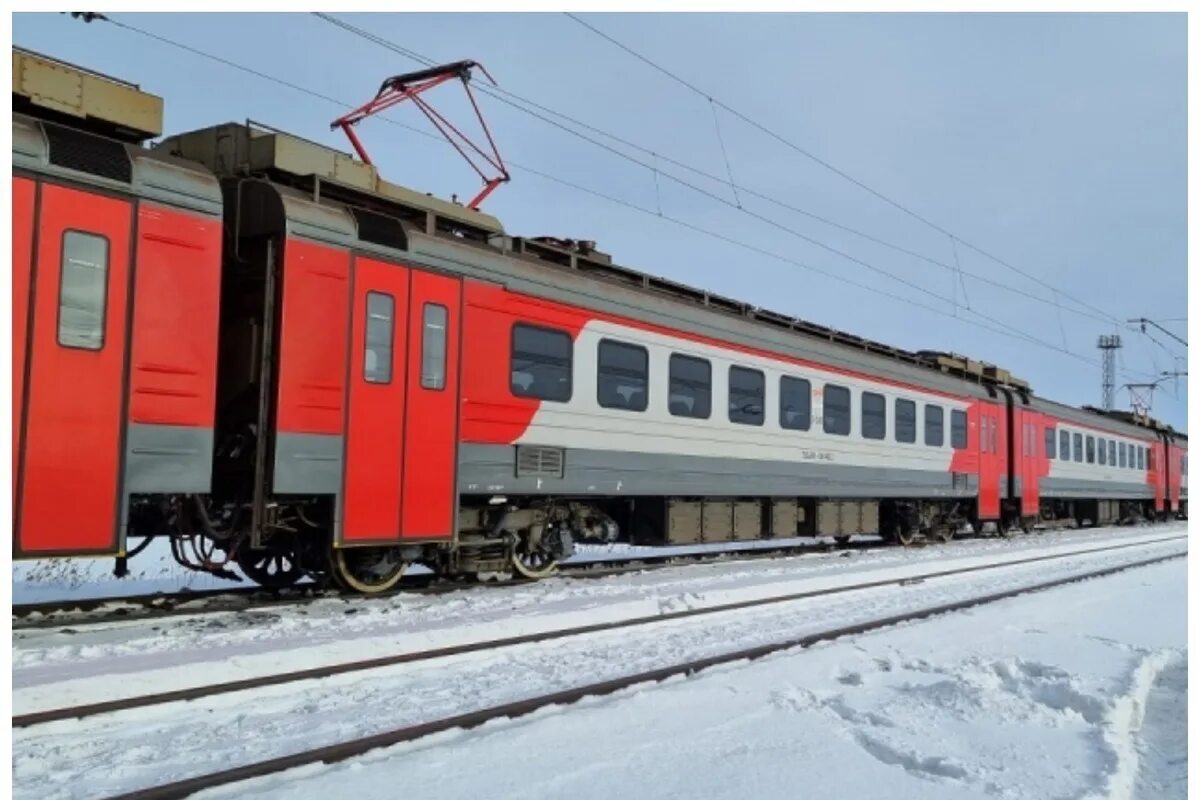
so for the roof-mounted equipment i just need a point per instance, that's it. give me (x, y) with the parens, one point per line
(410, 86)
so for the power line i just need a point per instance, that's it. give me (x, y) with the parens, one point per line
(1012, 333)
(829, 166)
(514, 100)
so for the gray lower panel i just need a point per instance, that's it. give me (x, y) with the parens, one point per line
(308, 463)
(490, 469)
(168, 459)
(1075, 488)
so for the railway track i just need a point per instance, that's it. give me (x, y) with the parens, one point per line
(359, 746)
(316, 673)
(74, 613)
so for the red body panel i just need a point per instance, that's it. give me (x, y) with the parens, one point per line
(24, 196)
(177, 293)
(312, 339)
(431, 435)
(1155, 476)
(375, 426)
(73, 431)
(981, 459)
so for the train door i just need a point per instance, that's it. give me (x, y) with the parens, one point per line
(402, 409)
(991, 462)
(24, 199)
(68, 483)
(1032, 447)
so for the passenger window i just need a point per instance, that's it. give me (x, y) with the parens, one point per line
(874, 416)
(934, 434)
(1103, 451)
(995, 446)
(1077, 447)
(541, 363)
(1064, 445)
(836, 411)
(1112, 453)
(1051, 443)
(795, 403)
(690, 387)
(433, 346)
(82, 290)
(377, 344)
(1091, 450)
(1121, 454)
(958, 429)
(747, 396)
(906, 421)
(622, 376)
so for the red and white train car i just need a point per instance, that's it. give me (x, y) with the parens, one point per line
(252, 345)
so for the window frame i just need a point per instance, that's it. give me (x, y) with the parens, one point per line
(1112, 453)
(425, 309)
(1101, 451)
(1077, 447)
(391, 359)
(957, 414)
(808, 397)
(1051, 443)
(512, 353)
(1064, 444)
(941, 425)
(62, 268)
(762, 395)
(862, 415)
(838, 388)
(912, 405)
(1090, 449)
(645, 352)
(671, 379)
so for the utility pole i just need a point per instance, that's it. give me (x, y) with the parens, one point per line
(1109, 345)
(1141, 395)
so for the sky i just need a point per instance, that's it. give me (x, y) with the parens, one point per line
(1055, 143)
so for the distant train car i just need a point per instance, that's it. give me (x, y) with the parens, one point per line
(252, 345)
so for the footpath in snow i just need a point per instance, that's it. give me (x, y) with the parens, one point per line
(1074, 692)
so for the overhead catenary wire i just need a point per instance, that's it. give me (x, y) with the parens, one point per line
(828, 165)
(1012, 333)
(525, 105)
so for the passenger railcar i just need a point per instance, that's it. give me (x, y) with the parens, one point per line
(254, 346)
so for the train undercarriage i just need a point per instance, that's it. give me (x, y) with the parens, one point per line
(529, 537)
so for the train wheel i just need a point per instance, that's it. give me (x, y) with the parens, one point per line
(273, 567)
(369, 570)
(533, 563)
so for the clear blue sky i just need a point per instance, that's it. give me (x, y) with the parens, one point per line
(1054, 141)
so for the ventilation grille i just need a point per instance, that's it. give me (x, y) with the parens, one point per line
(84, 152)
(540, 462)
(380, 229)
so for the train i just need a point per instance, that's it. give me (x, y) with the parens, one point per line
(254, 347)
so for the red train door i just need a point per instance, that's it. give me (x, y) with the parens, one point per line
(991, 461)
(69, 467)
(402, 410)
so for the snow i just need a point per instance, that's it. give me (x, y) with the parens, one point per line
(1036, 697)
(881, 705)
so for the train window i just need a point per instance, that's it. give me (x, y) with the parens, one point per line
(1091, 450)
(935, 435)
(1103, 451)
(1112, 453)
(690, 387)
(874, 416)
(795, 403)
(1064, 445)
(958, 429)
(433, 346)
(622, 376)
(1121, 454)
(1051, 443)
(541, 363)
(992, 437)
(1077, 447)
(82, 290)
(747, 396)
(836, 410)
(906, 421)
(377, 342)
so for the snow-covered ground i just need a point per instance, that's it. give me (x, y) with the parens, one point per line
(1073, 693)
(110, 753)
